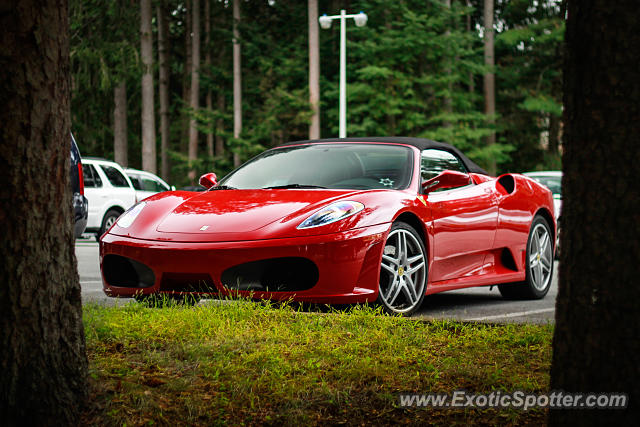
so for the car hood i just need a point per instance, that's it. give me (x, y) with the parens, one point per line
(236, 211)
(240, 215)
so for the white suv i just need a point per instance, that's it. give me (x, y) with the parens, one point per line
(109, 191)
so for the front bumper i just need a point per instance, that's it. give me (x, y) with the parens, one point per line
(348, 264)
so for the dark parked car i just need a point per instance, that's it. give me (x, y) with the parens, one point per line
(80, 204)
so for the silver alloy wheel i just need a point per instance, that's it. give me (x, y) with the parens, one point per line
(109, 222)
(109, 219)
(540, 257)
(404, 262)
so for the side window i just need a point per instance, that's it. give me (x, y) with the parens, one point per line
(135, 180)
(91, 177)
(115, 176)
(152, 185)
(435, 161)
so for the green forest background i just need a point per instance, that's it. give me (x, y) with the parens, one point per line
(416, 69)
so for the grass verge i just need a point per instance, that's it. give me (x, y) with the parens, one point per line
(252, 363)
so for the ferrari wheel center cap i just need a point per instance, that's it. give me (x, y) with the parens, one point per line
(401, 271)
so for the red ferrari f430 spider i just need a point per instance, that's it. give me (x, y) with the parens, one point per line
(338, 221)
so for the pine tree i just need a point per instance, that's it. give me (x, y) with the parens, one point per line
(596, 340)
(148, 106)
(163, 87)
(42, 344)
(195, 86)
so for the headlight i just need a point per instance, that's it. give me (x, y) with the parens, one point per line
(332, 213)
(127, 218)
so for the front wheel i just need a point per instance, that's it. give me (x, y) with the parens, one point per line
(109, 219)
(403, 271)
(539, 264)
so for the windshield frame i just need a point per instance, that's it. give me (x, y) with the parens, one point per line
(409, 174)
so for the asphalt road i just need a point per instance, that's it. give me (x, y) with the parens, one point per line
(474, 304)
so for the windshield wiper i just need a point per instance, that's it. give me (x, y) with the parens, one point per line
(275, 187)
(222, 187)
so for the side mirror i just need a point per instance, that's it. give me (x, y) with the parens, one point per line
(208, 180)
(446, 179)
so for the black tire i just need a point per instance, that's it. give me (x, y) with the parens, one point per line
(109, 219)
(539, 271)
(403, 271)
(558, 241)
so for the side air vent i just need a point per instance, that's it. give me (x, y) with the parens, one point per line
(507, 183)
(506, 258)
(291, 274)
(126, 272)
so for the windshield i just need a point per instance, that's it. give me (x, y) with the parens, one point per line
(336, 166)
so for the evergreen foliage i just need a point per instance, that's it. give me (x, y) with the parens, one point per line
(415, 69)
(105, 43)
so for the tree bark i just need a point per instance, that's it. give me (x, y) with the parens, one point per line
(448, 104)
(186, 83)
(472, 86)
(120, 124)
(195, 88)
(42, 347)
(163, 89)
(314, 69)
(489, 77)
(237, 82)
(209, 105)
(207, 64)
(554, 134)
(596, 342)
(148, 118)
(220, 125)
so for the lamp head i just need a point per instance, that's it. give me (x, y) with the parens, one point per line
(361, 19)
(325, 22)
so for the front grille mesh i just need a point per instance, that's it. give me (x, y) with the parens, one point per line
(125, 272)
(287, 274)
(187, 282)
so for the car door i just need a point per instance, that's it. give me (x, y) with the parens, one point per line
(137, 181)
(93, 190)
(464, 220)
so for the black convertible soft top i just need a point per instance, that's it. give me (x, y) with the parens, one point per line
(419, 143)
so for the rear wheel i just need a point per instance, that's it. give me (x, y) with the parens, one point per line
(403, 271)
(539, 268)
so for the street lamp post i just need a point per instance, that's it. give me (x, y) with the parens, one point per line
(325, 22)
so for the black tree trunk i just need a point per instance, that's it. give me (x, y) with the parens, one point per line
(596, 342)
(43, 362)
